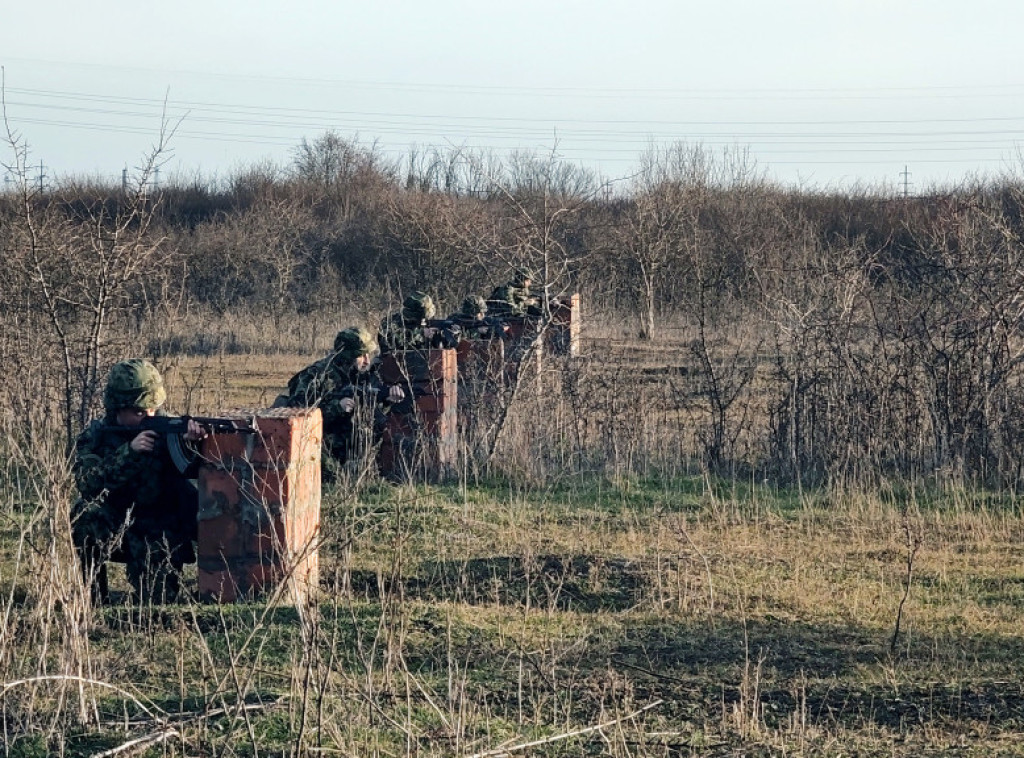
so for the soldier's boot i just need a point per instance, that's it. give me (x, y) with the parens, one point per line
(154, 582)
(94, 574)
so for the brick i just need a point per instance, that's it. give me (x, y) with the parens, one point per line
(268, 541)
(260, 577)
(220, 447)
(219, 491)
(275, 476)
(217, 585)
(221, 537)
(271, 485)
(435, 404)
(424, 439)
(563, 333)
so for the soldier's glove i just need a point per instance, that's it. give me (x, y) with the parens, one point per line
(395, 394)
(347, 404)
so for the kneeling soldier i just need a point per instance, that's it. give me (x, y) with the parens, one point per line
(348, 392)
(474, 323)
(414, 327)
(136, 506)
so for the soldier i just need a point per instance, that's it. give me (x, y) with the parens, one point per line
(410, 329)
(346, 389)
(135, 507)
(473, 322)
(514, 298)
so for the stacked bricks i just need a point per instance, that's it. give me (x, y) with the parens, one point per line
(481, 364)
(521, 333)
(563, 333)
(259, 508)
(420, 436)
(561, 336)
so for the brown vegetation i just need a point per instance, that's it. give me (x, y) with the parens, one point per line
(760, 498)
(822, 335)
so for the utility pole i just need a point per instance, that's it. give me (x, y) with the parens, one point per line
(906, 183)
(124, 180)
(42, 177)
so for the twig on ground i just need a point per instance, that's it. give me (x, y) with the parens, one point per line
(566, 735)
(82, 680)
(139, 742)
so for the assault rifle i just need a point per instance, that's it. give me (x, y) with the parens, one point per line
(495, 327)
(447, 334)
(172, 429)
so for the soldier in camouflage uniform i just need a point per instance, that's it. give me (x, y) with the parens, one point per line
(514, 297)
(409, 329)
(474, 323)
(135, 507)
(347, 390)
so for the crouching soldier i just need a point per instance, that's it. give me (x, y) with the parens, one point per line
(136, 506)
(414, 327)
(473, 322)
(514, 297)
(347, 390)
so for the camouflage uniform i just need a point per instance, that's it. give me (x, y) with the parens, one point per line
(405, 330)
(327, 382)
(135, 507)
(514, 298)
(473, 322)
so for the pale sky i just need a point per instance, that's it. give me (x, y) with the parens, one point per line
(823, 94)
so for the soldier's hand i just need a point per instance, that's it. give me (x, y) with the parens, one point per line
(195, 432)
(396, 394)
(144, 442)
(347, 404)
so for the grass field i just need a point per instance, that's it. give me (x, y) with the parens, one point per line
(598, 615)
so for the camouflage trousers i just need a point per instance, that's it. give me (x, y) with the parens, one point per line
(153, 553)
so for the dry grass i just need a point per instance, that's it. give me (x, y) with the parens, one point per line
(479, 616)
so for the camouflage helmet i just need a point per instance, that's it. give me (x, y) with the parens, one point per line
(521, 274)
(418, 306)
(473, 305)
(134, 383)
(355, 341)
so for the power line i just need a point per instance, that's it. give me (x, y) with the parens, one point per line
(181, 107)
(979, 141)
(1010, 90)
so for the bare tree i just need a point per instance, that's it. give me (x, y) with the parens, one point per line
(79, 251)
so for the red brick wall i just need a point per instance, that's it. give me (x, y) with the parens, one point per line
(424, 441)
(259, 508)
(563, 335)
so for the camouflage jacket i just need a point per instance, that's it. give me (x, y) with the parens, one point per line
(113, 479)
(487, 328)
(510, 300)
(325, 384)
(397, 334)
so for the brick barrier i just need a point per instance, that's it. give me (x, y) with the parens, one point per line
(259, 508)
(563, 333)
(420, 436)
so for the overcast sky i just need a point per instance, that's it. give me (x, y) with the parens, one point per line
(823, 93)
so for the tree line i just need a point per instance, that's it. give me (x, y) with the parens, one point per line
(825, 334)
